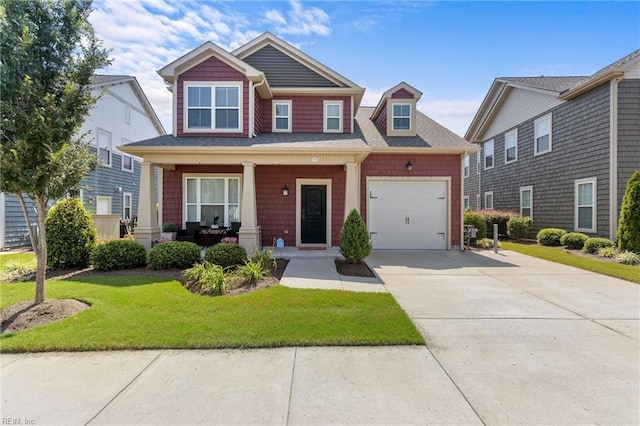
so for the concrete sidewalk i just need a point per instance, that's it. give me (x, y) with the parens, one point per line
(369, 385)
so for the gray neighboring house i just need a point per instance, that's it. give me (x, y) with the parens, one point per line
(558, 149)
(122, 115)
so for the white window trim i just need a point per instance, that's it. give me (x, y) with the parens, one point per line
(209, 176)
(515, 132)
(478, 162)
(594, 215)
(98, 198)
(465, 200)
(486, 194)
(124, 205)
(393, 116)
(127, 114)
(535, 135)
(110, 148)
(465, 166)
(324, 116)
(289, 116)
(123, 155)
(523, 189)
(212, 85)
(493, 154)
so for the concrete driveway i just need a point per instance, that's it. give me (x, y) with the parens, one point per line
(524, 340)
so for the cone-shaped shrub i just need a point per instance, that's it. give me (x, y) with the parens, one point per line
(629, 223)
(355, 243)
(71, 235)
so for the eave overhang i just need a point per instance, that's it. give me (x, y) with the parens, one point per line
(590, 84)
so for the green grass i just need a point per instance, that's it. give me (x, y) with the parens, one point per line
(17, 257)
(137, 312)
(625, 272)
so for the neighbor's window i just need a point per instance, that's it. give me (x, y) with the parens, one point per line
(488, 154)
(466, 166)
(585, 196)
(488, 200)
(542, 134)
(401, 116)
(127, 114)
(213, 107)
(282, 116)
(526, 201)
(333, 116)
(465, 202)
(212, 200)
(104, 147)
(511, 146)
(126, 205)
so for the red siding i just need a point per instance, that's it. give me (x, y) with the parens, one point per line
(277, 212)
(257, 127)
(172, 201)
(402, 94)
(382, 120)
(423, 165)
(308, 113)
(213, 69)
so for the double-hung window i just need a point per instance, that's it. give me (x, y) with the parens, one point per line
(213, 200)
(465, 202)
(585, 197)
(526, 201)
(401, 116)
(281, 116)
(488, 154)
(511, 146)
(213, 107)
(126, 205)
(127, 160)
(488, 200)
(104, 147)
(542, 135)
(333, 116)
(466, 166)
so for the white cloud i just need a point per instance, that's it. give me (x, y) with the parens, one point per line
(454, 115)
(301, 20)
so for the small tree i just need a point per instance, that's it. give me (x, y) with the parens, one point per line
(49, 55)
(629, 222)
(71, 235)
(355, 243)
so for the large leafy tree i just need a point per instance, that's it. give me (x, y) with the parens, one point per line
(48, 56)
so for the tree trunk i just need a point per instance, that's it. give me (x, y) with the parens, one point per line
(38, 242)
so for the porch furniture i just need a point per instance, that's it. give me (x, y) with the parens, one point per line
(212, 236)
(190, 233)
(233, 231)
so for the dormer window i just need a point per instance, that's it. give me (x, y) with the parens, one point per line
(401, 116)
(213, 107)
(332, 116)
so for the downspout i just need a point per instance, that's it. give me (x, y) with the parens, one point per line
(175, 107)
(613, 158)
(252, 117)
(460, 207)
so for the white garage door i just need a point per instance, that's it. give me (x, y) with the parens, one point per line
(408, 214)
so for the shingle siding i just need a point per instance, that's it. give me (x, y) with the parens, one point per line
(471, 183)
(628, 133)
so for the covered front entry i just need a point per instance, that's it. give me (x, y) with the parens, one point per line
(313, 216)
(408, 213)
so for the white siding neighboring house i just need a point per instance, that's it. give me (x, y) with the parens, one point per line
(122, 115)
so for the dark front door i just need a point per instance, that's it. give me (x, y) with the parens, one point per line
(314, 214)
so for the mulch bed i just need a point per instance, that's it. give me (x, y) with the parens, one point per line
(359, 269)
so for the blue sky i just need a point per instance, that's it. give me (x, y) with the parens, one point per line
(451, 51)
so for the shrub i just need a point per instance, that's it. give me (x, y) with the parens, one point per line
(226, 255)
(499, 217)
(608, 252)
(206, 279)
(173, 254)
(264, 258)
(519, 227)
(574, 240)
(592, 245)
(252, 272)
(629, 222)
(17, 270)
(169, 227)
(628, 258)
(550, 236)
(484, 243)
(355, 243)
(71, 235)
(478, 221)
(118, 254)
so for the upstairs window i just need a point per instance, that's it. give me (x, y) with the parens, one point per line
(466, 166)
(104, 147)
(282, 116)
(333, 116)
(401, 117)
(511, 146)
(488, 155)
(127, 163)
(213, 107)
(542, 135)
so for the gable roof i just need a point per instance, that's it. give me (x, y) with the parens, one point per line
(103, 80)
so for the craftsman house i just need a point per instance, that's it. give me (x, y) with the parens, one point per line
(558, 149)
(269, 139)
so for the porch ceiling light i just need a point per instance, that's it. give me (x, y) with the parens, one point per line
(285, 190)
(314, 159)
(409, 166)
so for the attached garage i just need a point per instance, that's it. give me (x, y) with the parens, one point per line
(406, 213)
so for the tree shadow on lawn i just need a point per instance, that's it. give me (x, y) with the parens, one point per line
(124, 277)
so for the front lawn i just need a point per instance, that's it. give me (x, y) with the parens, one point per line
(625, 272)
(139, 312)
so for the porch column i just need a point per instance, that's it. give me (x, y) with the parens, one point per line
(249, 235)
(352, 190)
(147, 228)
